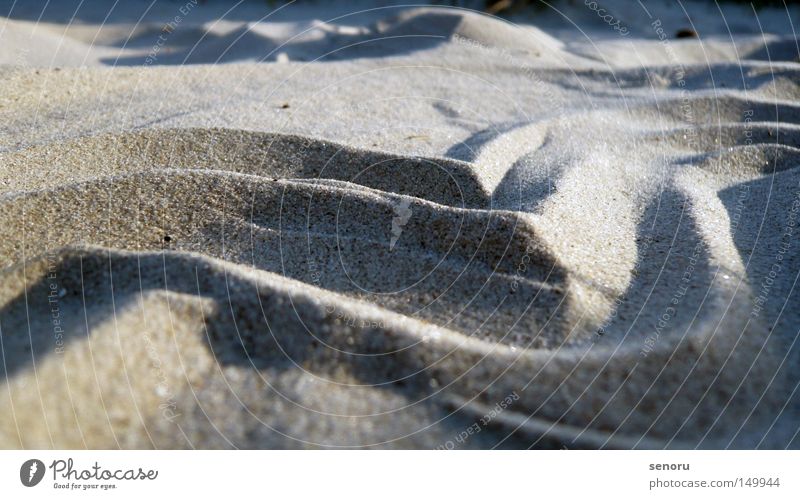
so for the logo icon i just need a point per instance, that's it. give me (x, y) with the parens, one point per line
(402, 213)
(31, 472)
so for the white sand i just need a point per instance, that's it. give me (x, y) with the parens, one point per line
(277, 232)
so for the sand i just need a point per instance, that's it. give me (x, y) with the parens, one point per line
(400, 227)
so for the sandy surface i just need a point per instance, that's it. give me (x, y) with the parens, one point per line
(403, 227)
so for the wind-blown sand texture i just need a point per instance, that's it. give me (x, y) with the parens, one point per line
(404, 228)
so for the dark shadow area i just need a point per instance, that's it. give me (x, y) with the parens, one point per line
(667, 238)
(175, 32)
(250, 325)
(765, 215)
(716, 76)
(785, 50)
(531, 179)
(469, 149)
(43, 320)
(402, 37)
(657, 309)
(731, 76)
(163, 11)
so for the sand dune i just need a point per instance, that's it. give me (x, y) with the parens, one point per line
(225, 247)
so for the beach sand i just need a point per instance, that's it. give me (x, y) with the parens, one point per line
(382, 227)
